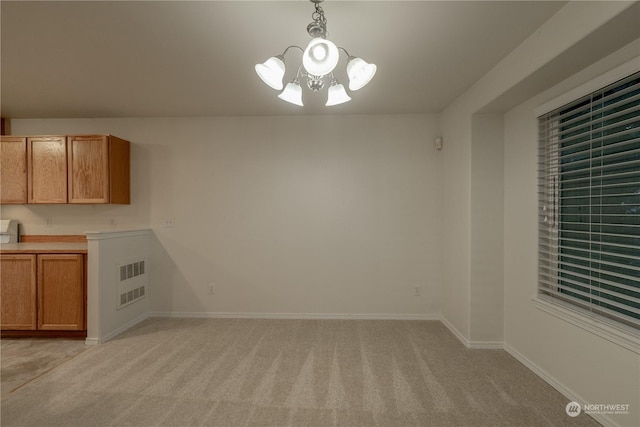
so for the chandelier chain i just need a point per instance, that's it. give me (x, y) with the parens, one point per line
(318, 16)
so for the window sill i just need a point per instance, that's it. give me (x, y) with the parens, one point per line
(626, 338)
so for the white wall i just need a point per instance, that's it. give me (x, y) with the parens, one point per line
(456, 219)
(472, 287)
(486, 252)
(325, 215)
(107, 251)
(580, 33)
(590, 368)
(580, 364)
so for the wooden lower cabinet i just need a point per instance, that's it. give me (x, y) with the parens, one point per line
(61, 292)
(18, 292)
(43, 293)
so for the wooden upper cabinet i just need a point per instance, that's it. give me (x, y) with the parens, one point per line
(119, 171)
(13, 170)
(18, 279)
(65, 169)
(88, 169)
(47, 166)
(98, 169)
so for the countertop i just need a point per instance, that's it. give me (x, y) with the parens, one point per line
(44, 248)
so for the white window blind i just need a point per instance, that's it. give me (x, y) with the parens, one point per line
(589, 201)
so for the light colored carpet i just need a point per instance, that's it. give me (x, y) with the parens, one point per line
(244, 372)
(24, 360)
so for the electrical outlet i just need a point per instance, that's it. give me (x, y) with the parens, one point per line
(212, 288)
(417, 291)
(169, 222)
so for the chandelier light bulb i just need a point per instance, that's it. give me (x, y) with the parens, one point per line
(319, 52)
(320, 57)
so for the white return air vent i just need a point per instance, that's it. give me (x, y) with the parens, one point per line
(132, 282)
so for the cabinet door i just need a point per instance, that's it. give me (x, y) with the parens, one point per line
(119, 175)
(88, 169)
(61, 294)
(18, 277)
(13, 170)
(47, 166)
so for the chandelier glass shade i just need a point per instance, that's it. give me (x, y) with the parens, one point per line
(360, 73)
(272, 72)
(336, 94)
(319, 60)
(292, 93)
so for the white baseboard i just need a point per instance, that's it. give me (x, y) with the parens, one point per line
(480, 345)
(120, 330)
(294, 316)
(549, 379)
(486, 345)
(455, 332)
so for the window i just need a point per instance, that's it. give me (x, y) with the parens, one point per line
(589, 201)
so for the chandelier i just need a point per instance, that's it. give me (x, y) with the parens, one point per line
(319, 60)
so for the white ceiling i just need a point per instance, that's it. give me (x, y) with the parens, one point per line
(159, 58)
